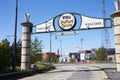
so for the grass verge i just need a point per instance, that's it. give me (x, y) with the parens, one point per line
(39, 68)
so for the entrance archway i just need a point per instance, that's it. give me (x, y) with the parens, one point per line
(65, 22)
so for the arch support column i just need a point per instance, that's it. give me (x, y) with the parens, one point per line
(26, 40)
(116, 20)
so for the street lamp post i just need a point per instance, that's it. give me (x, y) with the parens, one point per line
(15, 38)
(50, 48)
(61, 46)
(81, 44)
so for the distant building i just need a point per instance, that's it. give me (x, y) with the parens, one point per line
(94, 50)
(46, 55)
(74, 57)
(64, 58)
(111, 54)
(87, 55)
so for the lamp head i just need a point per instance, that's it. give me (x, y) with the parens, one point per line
(117, 4)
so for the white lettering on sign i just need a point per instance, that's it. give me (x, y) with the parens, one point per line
(41, 28)
(45, 27)
(88, 22)
(67, 22)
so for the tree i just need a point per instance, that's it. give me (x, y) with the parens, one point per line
(18, 47)
(36, 46)
(36, 50)
(101, 54)
(4, 55)
(18, 53)
(6, 51)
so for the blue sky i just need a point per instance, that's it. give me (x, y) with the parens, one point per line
(43, 10)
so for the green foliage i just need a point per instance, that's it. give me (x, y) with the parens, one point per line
(40, 68)
(18, 52)
(35, 57)
(44, 66)
(36, 46)
(19, 44)
(6, 51)
(101, 54)
(36, 50)
(4, 55)
(55, 59)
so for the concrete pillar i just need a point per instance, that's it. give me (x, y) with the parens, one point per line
(116, 20)
(26, 40)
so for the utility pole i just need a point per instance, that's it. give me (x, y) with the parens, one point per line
(14, 55)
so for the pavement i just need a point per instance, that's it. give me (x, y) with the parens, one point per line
(61, 73)
(112, 73)
(75, 72)
(79, 72)
(88, 73)
(110, 70)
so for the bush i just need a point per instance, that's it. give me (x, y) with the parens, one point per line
(101, 54)
(4, 56)
(40, 68)
(44, 66)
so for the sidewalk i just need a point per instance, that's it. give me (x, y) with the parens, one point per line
(110, 70)
(112, 74)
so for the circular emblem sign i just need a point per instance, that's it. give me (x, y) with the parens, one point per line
(67, 21)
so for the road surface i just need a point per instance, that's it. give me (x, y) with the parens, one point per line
(71, 72)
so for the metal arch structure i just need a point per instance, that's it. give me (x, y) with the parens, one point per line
(89, 21)
(65, 22)
(26, 36)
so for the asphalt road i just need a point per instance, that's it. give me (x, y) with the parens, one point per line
(70, 72)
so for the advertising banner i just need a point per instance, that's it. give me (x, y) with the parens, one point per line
(41, 28)
(45, 27)
(89, 23)
(72, 22)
